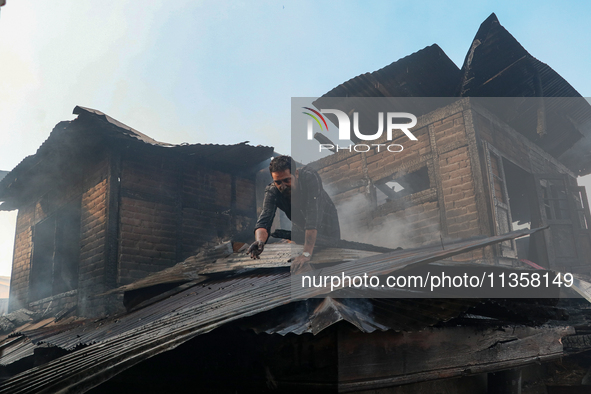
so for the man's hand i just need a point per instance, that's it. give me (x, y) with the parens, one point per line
(256, 249)
(300, 264)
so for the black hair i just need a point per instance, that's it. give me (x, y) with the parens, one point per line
(282, 163)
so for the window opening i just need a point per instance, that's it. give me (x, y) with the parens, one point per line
(394, 187)
(500, 198)
(520, 197)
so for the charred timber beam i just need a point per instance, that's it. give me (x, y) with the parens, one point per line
(391, 359)
(437, 177)
(112, 238)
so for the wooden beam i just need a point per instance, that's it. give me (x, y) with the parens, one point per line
(385, 359)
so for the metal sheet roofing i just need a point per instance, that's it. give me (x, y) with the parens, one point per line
(367, 314)
(16, 349)
(223, 259)
(114, 345)
(235, 154)
(496, 65)
(425, 73)
(121, 128)
(94, 129)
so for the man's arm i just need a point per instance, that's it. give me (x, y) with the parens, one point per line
(313, 214)
(301, 262)
(310, 241)
(260, 235)
(263, 225)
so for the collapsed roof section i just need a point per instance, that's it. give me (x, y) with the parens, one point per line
(72, 143)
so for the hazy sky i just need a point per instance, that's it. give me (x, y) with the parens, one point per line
(224, 72)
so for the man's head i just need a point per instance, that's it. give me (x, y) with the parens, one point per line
(282, 170)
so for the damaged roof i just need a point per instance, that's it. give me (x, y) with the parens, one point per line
(425, 73)
(93, 131)
(496, 65)
(97, 350)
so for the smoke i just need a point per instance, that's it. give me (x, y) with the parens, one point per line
(406, 227)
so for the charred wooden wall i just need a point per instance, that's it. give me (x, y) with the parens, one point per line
(147, 217)
(139, 213)
(21, 261)
(170, 208)
(89, 196)
(454, 150)
(527, 157)
(93, 239)
(448, 207)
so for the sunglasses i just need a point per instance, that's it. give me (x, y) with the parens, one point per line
(287, 181)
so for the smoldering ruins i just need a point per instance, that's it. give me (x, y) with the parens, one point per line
(129, 271)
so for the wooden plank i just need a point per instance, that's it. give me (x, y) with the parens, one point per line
(388, 358)
(112, 238)
(436, 173)
(477, 174)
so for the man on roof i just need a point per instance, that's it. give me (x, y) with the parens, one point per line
(298, 193)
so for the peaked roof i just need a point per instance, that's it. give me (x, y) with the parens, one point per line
(496, 65)
(426, 73)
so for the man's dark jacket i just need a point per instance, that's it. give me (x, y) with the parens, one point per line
(310, 207)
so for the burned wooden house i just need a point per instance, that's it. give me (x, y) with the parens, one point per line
(220, 322)
(101, 205)
(503, 154)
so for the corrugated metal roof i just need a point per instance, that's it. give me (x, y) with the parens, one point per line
(240, 154)
(94, 127)
(16, 349)
(498, 66)
(122, 128)
(151, 331)
(425, 73)
(367, 314)
(114, 345)
(16, 346)
(223, 259)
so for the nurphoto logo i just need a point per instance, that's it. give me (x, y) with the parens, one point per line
(344, 126)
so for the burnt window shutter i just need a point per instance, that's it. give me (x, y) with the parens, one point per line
(565, 210)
